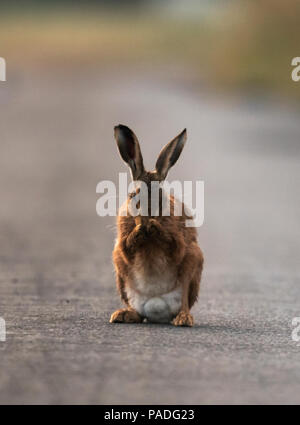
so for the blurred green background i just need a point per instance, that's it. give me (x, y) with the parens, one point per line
(230, 46)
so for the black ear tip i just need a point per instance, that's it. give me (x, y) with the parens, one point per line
(183, 136)
(123, 129)
(119, 127)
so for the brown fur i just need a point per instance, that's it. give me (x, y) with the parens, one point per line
(154, 244)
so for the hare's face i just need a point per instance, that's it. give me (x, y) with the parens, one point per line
(130, 151)
(153, 195)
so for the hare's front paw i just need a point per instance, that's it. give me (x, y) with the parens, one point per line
(124, 315)
(137, 236)
(183, 319)
(153, 227)
(140, 231)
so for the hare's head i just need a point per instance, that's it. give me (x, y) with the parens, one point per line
(130, 151)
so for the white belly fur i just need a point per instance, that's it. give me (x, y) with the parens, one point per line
(155, 296)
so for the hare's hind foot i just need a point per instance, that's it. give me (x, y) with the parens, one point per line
(183, 318)
(124, 315)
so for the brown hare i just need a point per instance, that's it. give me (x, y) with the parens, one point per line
(157, 259)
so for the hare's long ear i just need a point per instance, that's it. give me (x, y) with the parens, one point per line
(130, 151)
(169, 155)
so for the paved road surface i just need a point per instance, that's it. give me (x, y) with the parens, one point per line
(56, 283)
